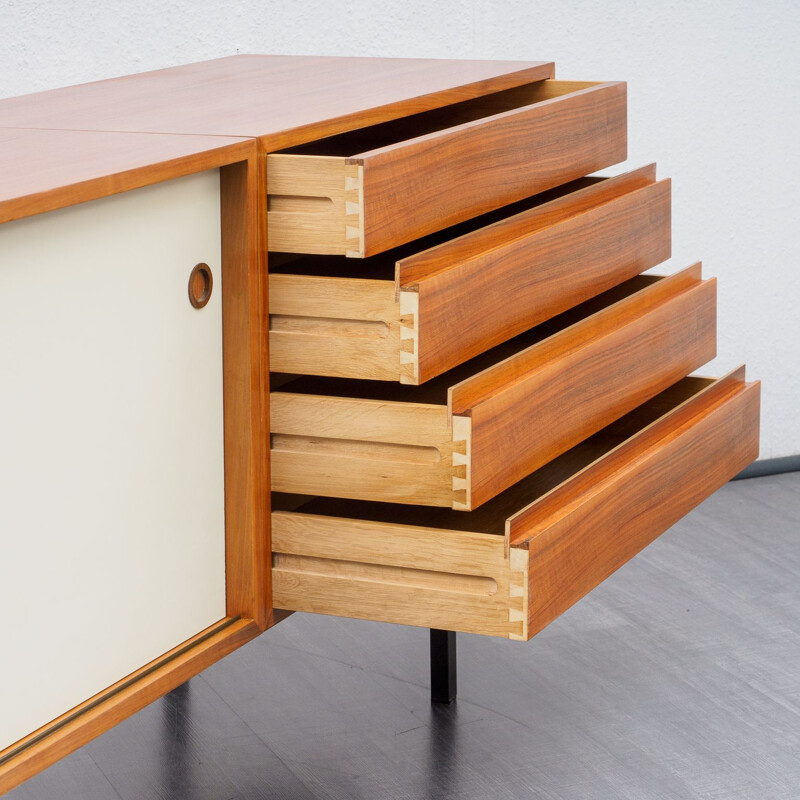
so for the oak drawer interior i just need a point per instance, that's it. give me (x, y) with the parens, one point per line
(416, 311)
(463, 437)
(364, 191)
(512, 566)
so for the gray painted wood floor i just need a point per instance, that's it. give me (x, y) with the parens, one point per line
(677, 678)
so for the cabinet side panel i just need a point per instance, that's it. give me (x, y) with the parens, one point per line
(246, 377)
(111, 457)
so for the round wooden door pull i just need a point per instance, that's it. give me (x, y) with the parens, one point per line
(201, 282)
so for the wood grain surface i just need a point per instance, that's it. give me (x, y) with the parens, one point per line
(532, 407)
(395, 573)
(547, 259)
(519, 221)
(447, 176)
(347, 327)
(346, 447)
(45, 169)
(245, 391)
(314, 205)
(284, 100)
(583, 532)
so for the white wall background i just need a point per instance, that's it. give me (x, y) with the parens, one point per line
(714, 98)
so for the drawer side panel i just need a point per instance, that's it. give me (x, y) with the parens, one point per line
(397, 573)
(365, 449)
(341, 327)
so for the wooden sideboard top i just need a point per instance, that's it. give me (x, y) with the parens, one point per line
(41, 170)
(267, 96)
(69, 145)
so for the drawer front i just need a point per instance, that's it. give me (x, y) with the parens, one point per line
(504, 420)
(450, 302)
(530, 409)
(592, 510)
(614, 509)
(448, 177)
(548, 260)
(512, 145)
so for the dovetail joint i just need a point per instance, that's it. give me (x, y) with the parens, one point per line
(462, 463)
(354, 210)
(409, 337)
(518, 594)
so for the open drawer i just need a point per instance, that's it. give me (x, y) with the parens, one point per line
(362, 192)
(462, 438)
(515, 565)
(414, 316)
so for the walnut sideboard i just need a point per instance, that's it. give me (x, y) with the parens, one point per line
(480, 405)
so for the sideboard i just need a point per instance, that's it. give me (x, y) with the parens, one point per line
(361, 337)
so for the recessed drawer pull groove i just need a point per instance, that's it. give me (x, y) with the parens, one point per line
(380, 451)
(328, 326)
(299, 204)
(450, 582)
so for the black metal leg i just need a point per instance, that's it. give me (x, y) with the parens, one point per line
(444, 684)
